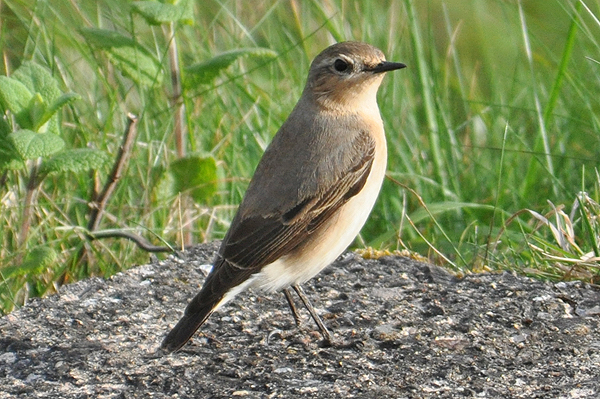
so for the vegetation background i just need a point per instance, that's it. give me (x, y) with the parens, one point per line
(493, 129)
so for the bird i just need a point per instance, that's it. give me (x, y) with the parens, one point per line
(310, 194)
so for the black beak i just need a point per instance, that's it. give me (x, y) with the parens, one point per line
(386, 66)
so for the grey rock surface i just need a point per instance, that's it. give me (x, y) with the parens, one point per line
(405, 330)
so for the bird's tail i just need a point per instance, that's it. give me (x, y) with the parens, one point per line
(221, 285)
(195, 315)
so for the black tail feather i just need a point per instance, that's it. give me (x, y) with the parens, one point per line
(219, 282)
(195, 315)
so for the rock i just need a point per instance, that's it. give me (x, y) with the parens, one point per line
(406, 330)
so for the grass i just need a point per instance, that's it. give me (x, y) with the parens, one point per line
(496, 118)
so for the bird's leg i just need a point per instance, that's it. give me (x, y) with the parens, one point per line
(290, 301)
(324, 331)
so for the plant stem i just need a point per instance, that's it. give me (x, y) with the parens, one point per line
(179, 127)
(117, 172)
(32, 185)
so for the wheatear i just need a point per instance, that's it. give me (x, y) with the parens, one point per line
(312, 191)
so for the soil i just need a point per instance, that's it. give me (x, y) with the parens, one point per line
(403, 329)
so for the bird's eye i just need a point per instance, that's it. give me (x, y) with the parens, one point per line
(341, 65)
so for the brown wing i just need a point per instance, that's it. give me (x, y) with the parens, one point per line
(259, 240)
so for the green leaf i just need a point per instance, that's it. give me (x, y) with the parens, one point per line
(50, 126)
(4, 128)
(15, 97)
(157, 13)
(37, 109)
(205, 72)
(197, 175)
(45, 90)
(9, 156)
(38, 80)
(50, 111)
(75, 160)
(36, 262)
(63, 100)
(31, 145)
(131, 58)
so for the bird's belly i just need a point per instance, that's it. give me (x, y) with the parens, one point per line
(328, 242)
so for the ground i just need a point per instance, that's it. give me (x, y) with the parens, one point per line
(403, 329)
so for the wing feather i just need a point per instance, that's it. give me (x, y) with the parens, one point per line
(257, 240)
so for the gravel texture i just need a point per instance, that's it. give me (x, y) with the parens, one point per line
(404, 330)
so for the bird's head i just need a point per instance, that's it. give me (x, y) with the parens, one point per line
(347, 75)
